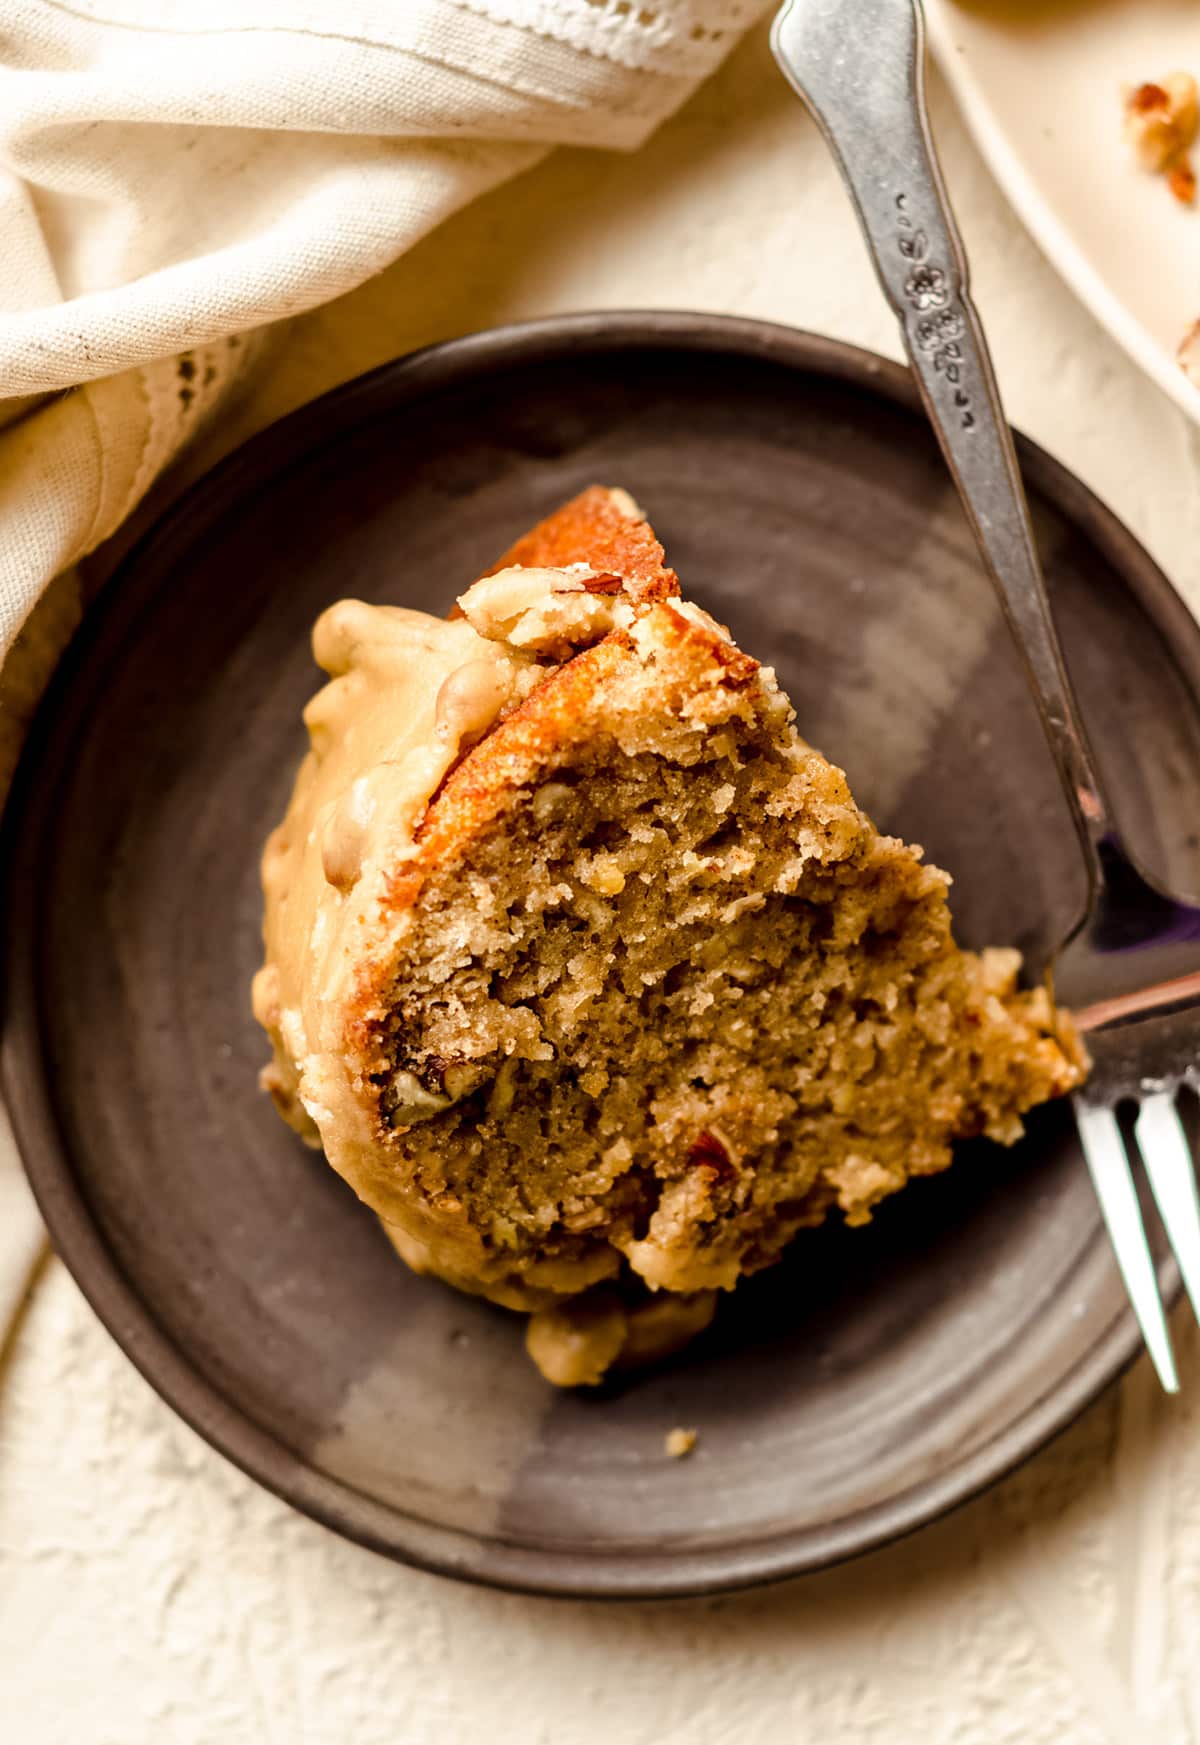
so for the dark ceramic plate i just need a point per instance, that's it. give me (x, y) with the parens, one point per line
(881, 1375)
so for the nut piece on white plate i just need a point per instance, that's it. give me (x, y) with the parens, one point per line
(1189, 353)
(1160, 125)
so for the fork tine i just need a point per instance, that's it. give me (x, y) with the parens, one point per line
(1168, 1160)
(1105, 1152)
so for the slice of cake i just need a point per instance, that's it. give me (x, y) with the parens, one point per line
(588, 973)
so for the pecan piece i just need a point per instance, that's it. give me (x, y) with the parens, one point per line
(1147, 98)
(1182, 182)
(595, 582)
(709, 1152)
(1161, 119)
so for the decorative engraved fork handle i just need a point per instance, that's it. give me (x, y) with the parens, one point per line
(859, 65)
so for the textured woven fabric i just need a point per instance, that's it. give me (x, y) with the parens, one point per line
(174, 172)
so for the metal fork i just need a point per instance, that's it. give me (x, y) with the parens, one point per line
(1131, 966)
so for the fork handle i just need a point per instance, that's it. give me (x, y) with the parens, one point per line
(859, 65)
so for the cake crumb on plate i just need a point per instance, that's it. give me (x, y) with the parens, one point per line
(680, 1442)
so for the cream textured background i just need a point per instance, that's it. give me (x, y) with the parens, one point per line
(149, 1593)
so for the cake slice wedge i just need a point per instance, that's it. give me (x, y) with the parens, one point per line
(588, 973)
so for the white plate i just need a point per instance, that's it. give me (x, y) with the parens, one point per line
(1041, 88)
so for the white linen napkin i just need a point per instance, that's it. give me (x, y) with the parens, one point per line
(177, 174)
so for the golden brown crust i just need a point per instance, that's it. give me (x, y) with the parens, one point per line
(477, 790)
(593, 529)
(518, 749)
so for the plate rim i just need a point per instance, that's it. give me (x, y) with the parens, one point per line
(332, 1502)
(1038, 217)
